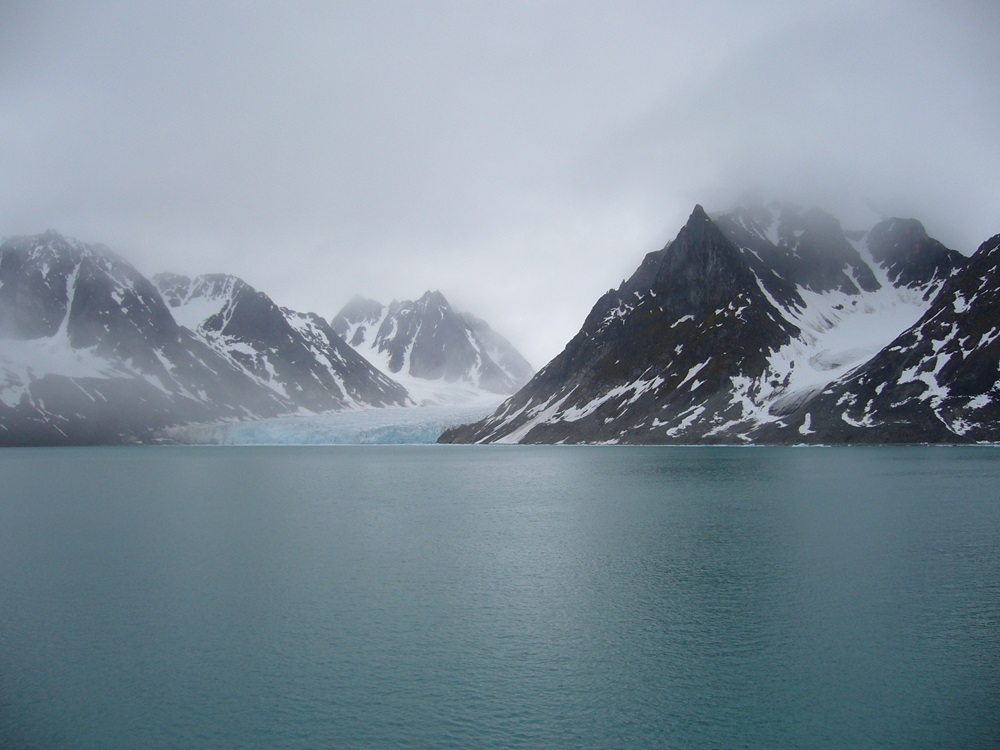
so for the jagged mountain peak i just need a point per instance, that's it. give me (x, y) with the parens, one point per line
(175, 287)
(689, 319)
(51, 251)
(426, 340)
(909, 256)
(209, 285)
(196, 301)
(745, 323)
(91, 350)
(51, 285)
(433, 297)
(430, 302)
(700, 269)
(298, 355)
(52, 241)
(358, 320)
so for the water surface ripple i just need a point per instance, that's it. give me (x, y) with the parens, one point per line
(500, 597)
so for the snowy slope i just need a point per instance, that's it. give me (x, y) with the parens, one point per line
(866, 302)
(89, 352)
(736, 331)
(436, 353)
(297, 355)
(938, 381)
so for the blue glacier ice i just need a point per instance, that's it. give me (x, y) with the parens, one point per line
(387, 426)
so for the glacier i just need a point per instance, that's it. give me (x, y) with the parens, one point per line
(385, 426)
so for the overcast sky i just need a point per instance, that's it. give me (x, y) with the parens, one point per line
(520, 157)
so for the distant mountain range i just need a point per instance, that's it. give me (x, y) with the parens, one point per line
(93, 352)
(426, 340)
(769, 324)
(773, 325)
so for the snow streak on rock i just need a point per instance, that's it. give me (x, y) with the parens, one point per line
(438, 354)
(773, 324)
(296, 355)
(90, 350)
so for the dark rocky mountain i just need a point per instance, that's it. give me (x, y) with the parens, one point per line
(771, 324)
(358, 321)
(425, 340)
(91, 353)
(298, 355)
(911, 258)
(937, 382)
(802, 248)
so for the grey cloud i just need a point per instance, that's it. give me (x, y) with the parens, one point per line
(886, 107)
(520, 157)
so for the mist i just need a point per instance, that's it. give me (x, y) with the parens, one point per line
(522, 159)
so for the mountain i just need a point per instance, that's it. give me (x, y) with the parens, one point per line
(90, 352)
(771, 324)
(500, 350)
(298, 355)
(425, 343)
(938, 381)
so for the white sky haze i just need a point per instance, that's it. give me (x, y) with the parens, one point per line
(521, 157)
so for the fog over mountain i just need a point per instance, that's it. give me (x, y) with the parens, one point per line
(772, 325)
(93, 352)
(519, 157)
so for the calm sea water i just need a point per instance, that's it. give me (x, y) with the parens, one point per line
(500, 597)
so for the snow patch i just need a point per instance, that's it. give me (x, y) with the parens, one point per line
(806, 428)
(979, 401)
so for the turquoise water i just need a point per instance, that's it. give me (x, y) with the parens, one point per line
(500, 597)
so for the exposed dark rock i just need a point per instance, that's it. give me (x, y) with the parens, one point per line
(724, 336)
(90, 352)
(909, 256)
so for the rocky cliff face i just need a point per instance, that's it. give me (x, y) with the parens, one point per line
(427, 340)
(297, 355)
(90, 351)
(743, 329)
(938, 381)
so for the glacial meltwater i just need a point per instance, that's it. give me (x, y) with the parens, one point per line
(499, 597)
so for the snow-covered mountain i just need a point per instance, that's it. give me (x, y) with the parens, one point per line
(91, 353)
(500, 350)
(438, 354)
(939, 379)
(297, 355)
(773, 324)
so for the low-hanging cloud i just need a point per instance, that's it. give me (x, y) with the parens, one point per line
(520, 158)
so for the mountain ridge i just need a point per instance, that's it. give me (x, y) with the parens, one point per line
(296, 354)
(427, 345)
(93, 352)
(728, 333)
